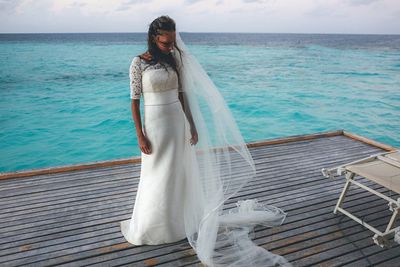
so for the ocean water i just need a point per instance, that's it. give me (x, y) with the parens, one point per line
(64, 98)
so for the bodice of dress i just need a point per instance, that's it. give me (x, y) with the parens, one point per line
(147, 78)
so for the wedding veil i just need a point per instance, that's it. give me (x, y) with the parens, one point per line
(217, 167)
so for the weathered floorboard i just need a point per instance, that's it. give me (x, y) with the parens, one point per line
(72, 218)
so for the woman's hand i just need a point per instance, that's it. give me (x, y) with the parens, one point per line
(144, 144)
(195, 137)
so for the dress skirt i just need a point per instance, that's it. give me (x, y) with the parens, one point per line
(158, 213)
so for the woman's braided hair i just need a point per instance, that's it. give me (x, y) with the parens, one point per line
(157, 26)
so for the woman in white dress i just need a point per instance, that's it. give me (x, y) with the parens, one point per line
(158, 212)
(194, 159)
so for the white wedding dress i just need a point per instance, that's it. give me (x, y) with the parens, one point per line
(158, 213)
(183, 189)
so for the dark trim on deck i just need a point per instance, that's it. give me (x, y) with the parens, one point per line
(106, 163)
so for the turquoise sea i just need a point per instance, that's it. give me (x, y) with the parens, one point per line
(64, 98)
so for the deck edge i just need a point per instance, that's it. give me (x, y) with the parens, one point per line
(294, 138)
(72, 167)
(369, 141)
(106, 163)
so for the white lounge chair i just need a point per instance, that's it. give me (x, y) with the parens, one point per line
(383, 169)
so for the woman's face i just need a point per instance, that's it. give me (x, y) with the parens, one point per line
(165, 41)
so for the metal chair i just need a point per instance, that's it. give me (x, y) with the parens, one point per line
(383, 169)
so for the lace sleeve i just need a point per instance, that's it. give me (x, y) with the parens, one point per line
(135, 76)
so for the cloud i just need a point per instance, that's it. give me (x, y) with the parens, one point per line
(190, 2)
(128, 4)
(7, 5)
(320, 11)
(329, 16)
(78, 4)
(361, 2)
(12, 6)
(396, 14)
(327, 8)
(255, 1)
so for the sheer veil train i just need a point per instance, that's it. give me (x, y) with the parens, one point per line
(217, 167)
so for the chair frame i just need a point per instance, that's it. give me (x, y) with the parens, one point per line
(380, 238)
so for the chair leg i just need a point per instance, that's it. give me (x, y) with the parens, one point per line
(349, 177)
(382, 240)
(395, 209)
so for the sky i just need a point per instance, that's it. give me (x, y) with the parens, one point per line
(266, 16)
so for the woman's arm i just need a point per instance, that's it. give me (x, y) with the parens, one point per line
(189, 117)
(185, 106)
(135, 75)
(144, 143)
(187, 111)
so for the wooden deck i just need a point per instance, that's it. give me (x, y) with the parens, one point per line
(70, 216)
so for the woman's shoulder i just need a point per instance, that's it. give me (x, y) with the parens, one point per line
(141, 59)
(146, 56)
(138, 59)
(135, 61)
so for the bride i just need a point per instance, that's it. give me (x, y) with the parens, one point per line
(193, 159)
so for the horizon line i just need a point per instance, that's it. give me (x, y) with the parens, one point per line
(335, 33)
